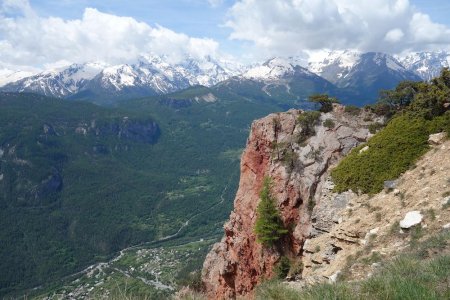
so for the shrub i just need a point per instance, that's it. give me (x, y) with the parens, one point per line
(325, 101)
(329, 123)
(353, 110)
(281, 269)
(391, 152)
(307, 120)
(268, 227)
(374, 127)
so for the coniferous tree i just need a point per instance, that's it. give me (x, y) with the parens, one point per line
(268, 227)
(325, 101)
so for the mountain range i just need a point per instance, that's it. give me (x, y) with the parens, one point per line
(348, 74)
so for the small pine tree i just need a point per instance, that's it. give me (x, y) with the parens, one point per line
(268, 227)
(325, 101)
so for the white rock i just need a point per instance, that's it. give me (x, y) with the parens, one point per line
(364, 149)
(371, 232)
(334, 277)
(374, 231)
(437, 138)
(411, 218)
(446, 226)
(445, 201)
(376, 265)
(396, 192)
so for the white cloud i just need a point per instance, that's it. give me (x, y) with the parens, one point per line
(215, 3)
(394, 35)
(287, 27)
(27, 39)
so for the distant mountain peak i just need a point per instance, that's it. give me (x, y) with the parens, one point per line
(276, 68)
(149, 75)
(426, 64)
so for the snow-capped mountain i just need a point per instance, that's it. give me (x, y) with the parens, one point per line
(365, 74)
(338, 66)
(150, 75)
(207, 71)
(426, 64)
(8, 76)
(60, 82)
(278, 80)
(335, 65)
(276, 68)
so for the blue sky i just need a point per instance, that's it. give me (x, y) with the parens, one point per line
(439, 10)
(193, 17)
(52, 32)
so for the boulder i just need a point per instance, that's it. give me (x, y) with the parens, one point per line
(390, 184)
(411, 219)
(333, 278)
(364, 149)
(437, 138)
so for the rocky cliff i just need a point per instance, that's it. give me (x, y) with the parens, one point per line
(298, 160)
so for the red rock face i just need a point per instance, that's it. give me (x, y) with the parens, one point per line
(238, 263)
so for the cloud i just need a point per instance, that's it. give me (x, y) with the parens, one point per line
(287, 27)
(27, 39)
(215, 3)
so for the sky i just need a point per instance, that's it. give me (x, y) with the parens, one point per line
(40, 34)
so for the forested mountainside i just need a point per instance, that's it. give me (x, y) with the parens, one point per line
(80, 182)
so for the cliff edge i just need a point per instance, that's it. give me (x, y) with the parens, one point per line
(297, 156)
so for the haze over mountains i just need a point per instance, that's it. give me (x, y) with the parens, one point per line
(351, 71)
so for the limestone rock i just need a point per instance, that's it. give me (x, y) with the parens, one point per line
(411, 219)
(437, 138)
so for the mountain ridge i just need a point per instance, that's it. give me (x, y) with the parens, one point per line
(360, 73)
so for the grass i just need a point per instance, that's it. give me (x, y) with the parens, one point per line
(408, 276)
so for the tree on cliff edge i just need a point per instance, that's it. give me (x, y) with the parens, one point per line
(268, 227)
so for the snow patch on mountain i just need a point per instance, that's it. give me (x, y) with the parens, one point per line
(337, 66)
(343, 61)
(275, 69)
(426, 64)
(8, 76)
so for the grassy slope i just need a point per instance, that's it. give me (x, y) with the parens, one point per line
(419, 274)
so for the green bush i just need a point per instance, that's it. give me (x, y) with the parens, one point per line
(421, 109)
(281, 269)
(353, 110)
(328, 123)
(374, 127)
(269, 226)
(391, 152)
(307, 120)
(325, 101)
